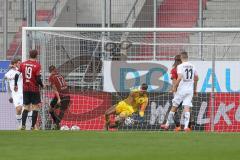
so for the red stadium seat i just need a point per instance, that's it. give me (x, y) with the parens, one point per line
(175, 14)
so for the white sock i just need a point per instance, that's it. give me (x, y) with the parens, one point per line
(170, 117)
(19, 119)
(186, 119)
(29, 119)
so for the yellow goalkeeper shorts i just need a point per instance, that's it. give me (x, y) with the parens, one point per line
(124, 109)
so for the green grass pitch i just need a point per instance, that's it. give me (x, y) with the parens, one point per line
(82, 145)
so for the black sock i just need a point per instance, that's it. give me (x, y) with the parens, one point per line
(34, 117)
(53, 116)
(24, 117)
(176, 120)
(177, 124)
(190, 124)
(60, 116)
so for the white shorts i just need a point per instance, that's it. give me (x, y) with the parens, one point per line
(17, 99)
(186, 98)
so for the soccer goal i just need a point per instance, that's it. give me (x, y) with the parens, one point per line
(102, 65)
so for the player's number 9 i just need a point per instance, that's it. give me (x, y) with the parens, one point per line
(28, 72)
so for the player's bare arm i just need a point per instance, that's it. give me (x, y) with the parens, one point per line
(56, 93)
(177, 82)
(196, 78)
(143, 108)
(174, 81)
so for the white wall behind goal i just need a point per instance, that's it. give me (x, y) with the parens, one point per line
(7, 113)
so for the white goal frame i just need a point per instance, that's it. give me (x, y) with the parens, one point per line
(152, 30)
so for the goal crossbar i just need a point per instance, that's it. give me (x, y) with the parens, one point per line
(91, 29)
(94, 29)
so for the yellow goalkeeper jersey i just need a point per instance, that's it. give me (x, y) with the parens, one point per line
(139, 99)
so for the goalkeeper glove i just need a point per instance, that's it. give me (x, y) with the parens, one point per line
(141, 113)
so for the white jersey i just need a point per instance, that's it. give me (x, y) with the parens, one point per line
(188, 71)
(10, 76)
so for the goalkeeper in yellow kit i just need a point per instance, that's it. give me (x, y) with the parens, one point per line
(136, 102)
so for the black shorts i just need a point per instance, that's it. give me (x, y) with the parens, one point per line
(65, 101)
(31, 98)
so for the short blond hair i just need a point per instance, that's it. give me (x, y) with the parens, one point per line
(184, 55)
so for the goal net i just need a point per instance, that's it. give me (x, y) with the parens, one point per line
(102, 65)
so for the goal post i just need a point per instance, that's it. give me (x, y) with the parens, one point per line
(101, 65)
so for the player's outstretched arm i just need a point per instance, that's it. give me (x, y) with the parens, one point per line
(143, 108)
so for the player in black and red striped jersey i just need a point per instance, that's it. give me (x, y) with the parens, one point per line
(61, 98)
(31, 73)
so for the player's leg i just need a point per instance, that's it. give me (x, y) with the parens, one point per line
(186, 117)
(52, 109)
(119, 119)
(171, 114)
(123, 110)
(65, 101)
(18, 103)
(187, 103)
(29, 118)
(175, 103)
(35, 108)
(35, 100)
(170, 118)
(110, 111)
(177, 119)
(191, 122)
(19, 115)
(24, 116)
(26, 107)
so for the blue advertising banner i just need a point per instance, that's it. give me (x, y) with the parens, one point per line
(4, 66)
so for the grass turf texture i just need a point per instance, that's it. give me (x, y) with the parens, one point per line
(67, 145)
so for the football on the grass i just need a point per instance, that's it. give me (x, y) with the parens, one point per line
(75, 128)
(64, 128)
